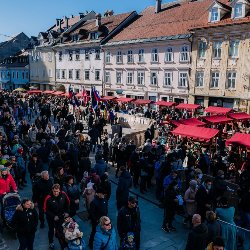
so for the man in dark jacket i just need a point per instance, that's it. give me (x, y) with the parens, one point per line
(34, 166)
(41, 189)
(98, 208)
(122, 191)
(101, 166)
(198, 236)
(129, 220)
(219, 186)
(56, 206)
(43, 154)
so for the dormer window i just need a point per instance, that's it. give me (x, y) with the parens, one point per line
(75, 38)
(94, 36)
(214, 14)
(238, 10)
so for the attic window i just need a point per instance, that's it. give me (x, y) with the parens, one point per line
(75, 38)
(214, 14)
(238, 10)
(94, 36)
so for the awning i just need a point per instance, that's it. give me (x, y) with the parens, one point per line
(239, 116)
(58, 93)
(239, 139)
(124, 99)
(196, 132)
(48, 92)
(216, 119)
(141, 102)
(107, 98)
(192, 122)
(35, 91)
(187, 106)
(217, 110)
(165, 104)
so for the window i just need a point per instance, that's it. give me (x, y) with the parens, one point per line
(168, 77)
(183, 79)
(231, 80)
(70, 74)
(130, 76)
(184, 54)
(97, 54)
(140, 77)
(17, 75)
(86, 54)
(13, 74)
(214, 15)
(63, 74)
(238, 10)
(217, 49)
(234, 48)
(199, 79)
(119, 77)
(154, 55)
(169, 55)
(77, 74)
(60, 56)
(87, 76)
(130, 56)
(27, 75)
(94, 36)
(107, 57)
(58, 73)
(141, 56)
(75, 38)
(215, 80)
(119, 57)
(77, 55)
(22, 75)
(153, 78)
(107, 77)
(49, 56)
(97, 75)
(202, 49)
(50, 72)
(70, 55)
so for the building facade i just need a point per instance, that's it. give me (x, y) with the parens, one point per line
(221, 58)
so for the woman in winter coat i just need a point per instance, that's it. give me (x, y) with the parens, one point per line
(105, 236)
(6, 182)
(25, 220)
(73, 193)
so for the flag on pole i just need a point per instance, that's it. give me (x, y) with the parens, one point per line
(71, 92)
(84, 96)
(94, 97)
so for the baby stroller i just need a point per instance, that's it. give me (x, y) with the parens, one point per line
(10, 202)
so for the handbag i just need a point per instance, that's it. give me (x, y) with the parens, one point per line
(103, 248)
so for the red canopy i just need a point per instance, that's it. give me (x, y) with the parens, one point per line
(35, 91)
(216, 119)
(217, 110)
(141, 102)
(165, 104)
(239, 116)
(58, 93)
(196, 132)
(190, 121)
(124, 99)
(107, 98)
(239, 139)
(48, 91)
(187, 106)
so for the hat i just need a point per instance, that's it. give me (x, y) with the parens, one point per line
(132, 199)
(2, 168)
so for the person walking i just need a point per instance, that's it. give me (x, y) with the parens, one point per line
(105, 236)
(129, 220)
(56, 206)
(25, 220)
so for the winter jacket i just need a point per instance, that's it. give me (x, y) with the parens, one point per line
(74, 194)
(98, 208)
(56, 206)
(34, 168)
(102, 237)
(6, 184)
(101, 167)
(189, 198)
(197, 238)
(32, 134)
(41, 189)
(214, 230)
(25, 220)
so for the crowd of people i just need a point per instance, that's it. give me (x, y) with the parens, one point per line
(43, 138)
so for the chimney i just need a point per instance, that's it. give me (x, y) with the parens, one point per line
(58, 21)
(72, 16)
(106, 13)
(110, 12)
(67, 22)
(81, 15)
(158, 6)
(98, 20)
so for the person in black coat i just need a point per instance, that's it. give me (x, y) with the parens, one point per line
(122, 191)
(98, 208)
(25, 220)
(34, 166)
(106, 185)
(41, 189)
(129, 220)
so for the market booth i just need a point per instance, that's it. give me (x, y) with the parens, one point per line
(217, 119)
(191, 122)
(218, 110)
(107, 98)
(142, 102)
(165, 104)
(239, 116)
(34, 92)
(187, 106)
(48, 92)
(124, 99)
(239, 139)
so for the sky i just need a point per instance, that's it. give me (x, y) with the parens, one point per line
(33, 16)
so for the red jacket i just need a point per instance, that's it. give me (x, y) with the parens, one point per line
(5, 184)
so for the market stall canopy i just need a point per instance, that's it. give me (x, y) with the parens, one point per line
(239, 139)
(142, 102)
(218, 110)
(124, 99)
(192, 122)
(20, 89)
(58, 93)
(217, 119)
(165, 104)
(48, 92)
(35, 91)
(187, 106)
(239, 116)
(195, 132)
(107, 98)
